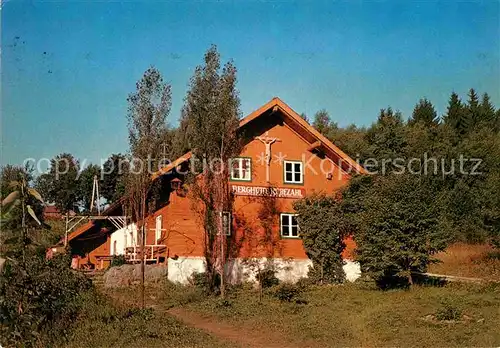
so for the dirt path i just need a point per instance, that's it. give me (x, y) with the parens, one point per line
(228, 332)
(239, 335)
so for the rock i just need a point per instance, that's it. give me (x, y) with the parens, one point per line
(126, 275)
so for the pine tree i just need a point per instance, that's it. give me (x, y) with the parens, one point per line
(486, 111)
(473, 108)
(457, 116)
(425, 113)
(386, 136)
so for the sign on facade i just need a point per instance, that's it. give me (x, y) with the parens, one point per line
(263, 191)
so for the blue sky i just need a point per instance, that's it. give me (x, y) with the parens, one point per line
(67, 67)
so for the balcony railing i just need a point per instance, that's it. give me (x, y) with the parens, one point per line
(152, 252)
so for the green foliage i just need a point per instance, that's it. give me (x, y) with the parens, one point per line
(398, 226)
(267, 278)
(448, 310)
(85, 186)
(287, 292)
(457, 116)
(118, 260)
(210, 117)
(469, 208)
(60, 185)
(19, 198)
(386, 137)
(205, 282)
(113, 179)
(425, 113)
(322, 229)
(323, 123)
(148, 108)
(38, 299)
(352, 140)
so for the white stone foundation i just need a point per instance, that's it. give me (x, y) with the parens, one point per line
(240, 270)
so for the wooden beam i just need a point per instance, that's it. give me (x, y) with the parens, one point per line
(315, 146)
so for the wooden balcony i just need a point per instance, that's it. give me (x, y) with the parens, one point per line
(152, 252)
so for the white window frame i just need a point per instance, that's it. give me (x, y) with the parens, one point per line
(289, 227)
(240, 169)
(293, 172)
(158, 227)
(227, 232)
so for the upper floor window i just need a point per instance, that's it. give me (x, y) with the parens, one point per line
(241, 169)
(293, 172)
(289, 227)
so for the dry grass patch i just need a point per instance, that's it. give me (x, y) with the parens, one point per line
(469, 260)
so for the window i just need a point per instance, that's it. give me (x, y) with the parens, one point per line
(288, 226)
(158, 229)
(226, 223)
(241, 169)
(293, 172)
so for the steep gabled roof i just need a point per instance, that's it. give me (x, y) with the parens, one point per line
(316, 139)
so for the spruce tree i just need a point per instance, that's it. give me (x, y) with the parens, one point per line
(425, 113)
(473, 109)
(486, 111)
(457, 115)
(386, 136)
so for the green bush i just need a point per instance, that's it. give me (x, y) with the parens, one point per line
(287, 292)
(449, 311)
(304, 283)
(322, 226)
(118, 260)
(202, 281)
(39, 299)
(267, 278)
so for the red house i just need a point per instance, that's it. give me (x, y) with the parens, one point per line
(283, 159)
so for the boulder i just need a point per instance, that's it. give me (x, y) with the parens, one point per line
(126, 275)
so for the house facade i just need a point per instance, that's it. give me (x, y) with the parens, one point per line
(283, 159)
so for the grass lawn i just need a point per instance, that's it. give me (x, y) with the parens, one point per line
(357, 315)
(106, 324)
